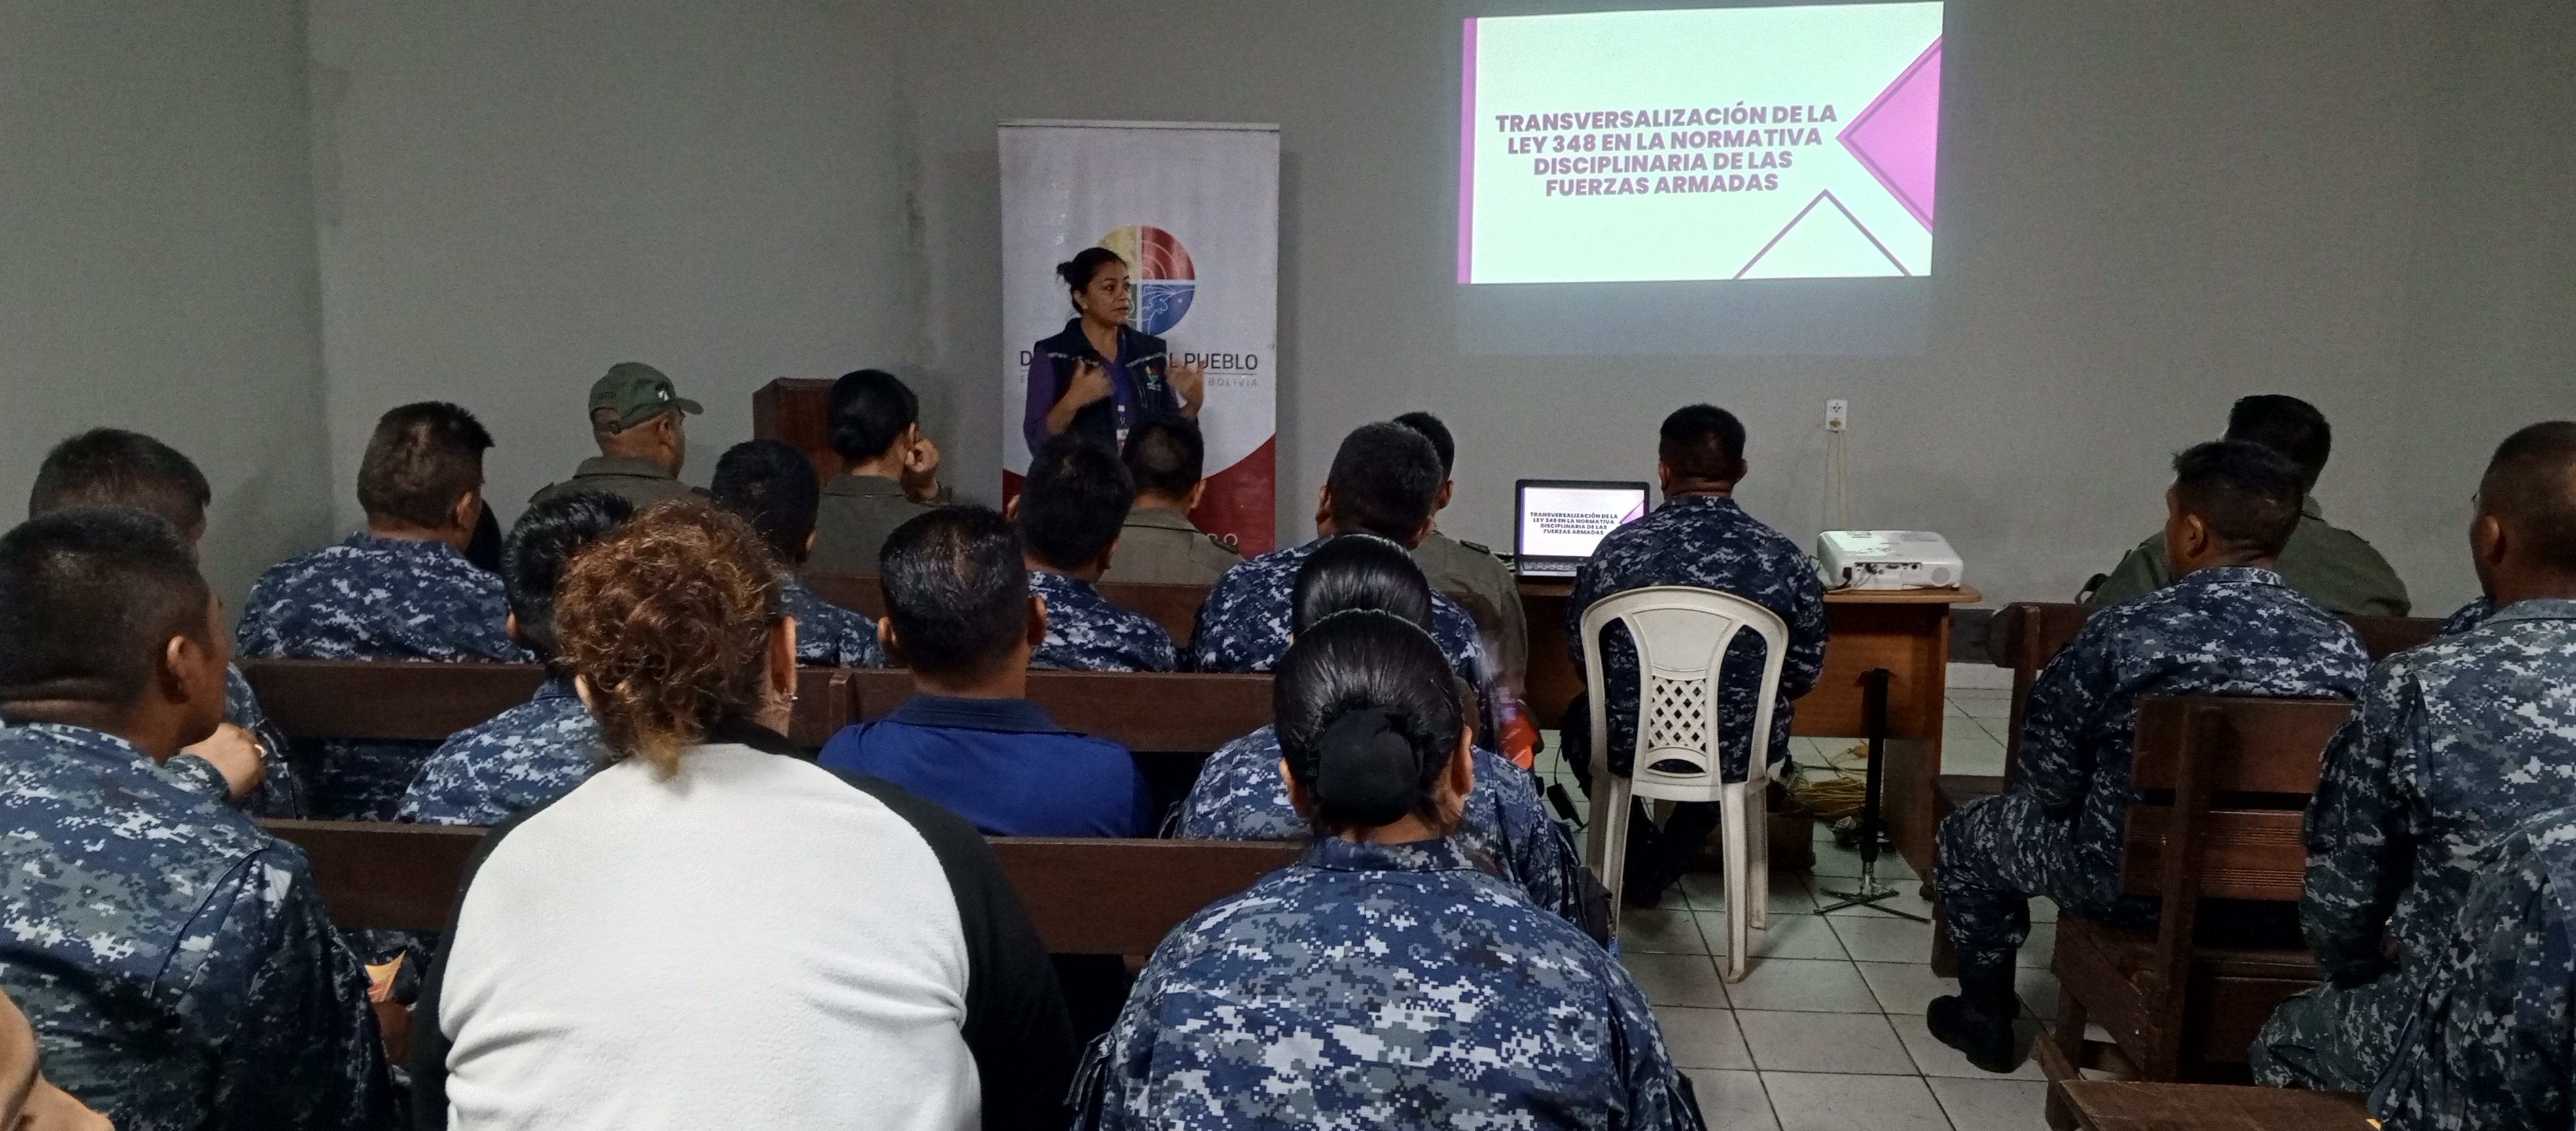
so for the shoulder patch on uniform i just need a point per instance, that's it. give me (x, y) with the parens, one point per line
(1485, 550)
(1227, 543)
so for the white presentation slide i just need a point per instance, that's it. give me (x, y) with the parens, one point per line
(1726, 143)
(1567, 522)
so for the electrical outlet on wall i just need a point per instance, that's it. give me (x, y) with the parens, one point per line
(1837, 415)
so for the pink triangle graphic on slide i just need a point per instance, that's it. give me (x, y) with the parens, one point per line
(1896, 136)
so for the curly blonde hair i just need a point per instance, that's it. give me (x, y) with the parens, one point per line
(668, 619)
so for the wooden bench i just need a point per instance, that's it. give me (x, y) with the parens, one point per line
(1173, 605)
(2026, 635)
(426, 702)
(2226, 782)
(1085, 896)
(2122, 1105)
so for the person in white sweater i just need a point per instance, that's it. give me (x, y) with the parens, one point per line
(713, 931)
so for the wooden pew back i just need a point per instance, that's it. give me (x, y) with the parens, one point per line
(2234, 777)
(1174, 606)
(1146, 712)
(1084, 896)
(2224, 782)
(426, 702)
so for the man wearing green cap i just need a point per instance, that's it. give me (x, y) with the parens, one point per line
(635, 414)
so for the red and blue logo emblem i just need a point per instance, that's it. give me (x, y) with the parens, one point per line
(1160, 274)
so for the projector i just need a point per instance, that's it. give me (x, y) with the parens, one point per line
(1887, 559)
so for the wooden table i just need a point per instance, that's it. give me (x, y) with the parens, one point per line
(1906, 631)
(2119, 1105)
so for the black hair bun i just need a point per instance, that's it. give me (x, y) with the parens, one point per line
(1367, 773)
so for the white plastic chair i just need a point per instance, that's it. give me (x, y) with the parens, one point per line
(1681, 634)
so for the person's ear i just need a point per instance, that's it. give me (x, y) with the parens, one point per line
(893, 647)
(2489, 541)
(1440, 502)
(510, 627)
(1461, 773)
(809, 546)
(1011, 509)
(1298, 799)
(1037, 620)
(468, 511)
(581, 689)
(1198, 493)
(1743, 467)
(1663, 477)
(1324, 509)
(1108, 554)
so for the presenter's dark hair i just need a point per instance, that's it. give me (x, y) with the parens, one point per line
(1086, 265)
(1359, 571)
(111, 467)
(869, 409)
(2247, 493)
(1703, 441)
(773, 487)
(1436, 432)
(1368, 716)
(2287, 425)
(1166, 455)
(1076, 498)
(533, 556)
(2531, 485)
(1384, 481)
(956, 590)
(89, 597)
(421, 459)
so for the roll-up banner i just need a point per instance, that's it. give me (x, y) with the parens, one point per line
(1193, 208)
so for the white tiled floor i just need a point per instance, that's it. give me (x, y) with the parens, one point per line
(1826, 1031)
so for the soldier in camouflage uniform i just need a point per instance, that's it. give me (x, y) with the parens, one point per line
(1240, 794)
(1383, 482)
(2227, 626)
(2335, 567)
(1699, 537)
(1158, 542)
(772, 486)
(176, 962)
(889, 472)
(1386, 980)
(1069, 512)
(2454, 745)
(113, 467)
(2492, 1043)
(398, 590)
(540, 749)
(1465, 567)
(638, 418)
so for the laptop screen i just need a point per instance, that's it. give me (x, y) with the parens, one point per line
(1565, 519)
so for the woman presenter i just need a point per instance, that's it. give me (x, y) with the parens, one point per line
(1101, 377)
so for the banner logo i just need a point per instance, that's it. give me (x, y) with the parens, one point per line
(1164, 279)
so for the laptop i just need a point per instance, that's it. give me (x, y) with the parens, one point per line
(1560, 521)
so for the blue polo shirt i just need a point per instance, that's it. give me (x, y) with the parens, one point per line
(1001, 764)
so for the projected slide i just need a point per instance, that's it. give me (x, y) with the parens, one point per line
(1735, 143)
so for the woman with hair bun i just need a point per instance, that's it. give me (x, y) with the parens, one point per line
(712, 931)
(1505, 827)
(1384, 980)
(1101, 376)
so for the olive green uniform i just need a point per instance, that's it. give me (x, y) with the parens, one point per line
(1161, 545)
(641, 481)
(1467, 567)
(856, 514)
(2333, 566)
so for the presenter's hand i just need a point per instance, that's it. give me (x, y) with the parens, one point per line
(921, 470)
(1090, 385)
(1190, 381)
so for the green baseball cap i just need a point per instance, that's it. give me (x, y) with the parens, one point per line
(637, 392)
